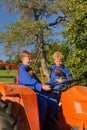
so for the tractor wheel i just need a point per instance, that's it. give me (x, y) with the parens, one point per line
(7, 121)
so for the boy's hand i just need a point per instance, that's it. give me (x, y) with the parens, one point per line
(60, 80)
(46, 87)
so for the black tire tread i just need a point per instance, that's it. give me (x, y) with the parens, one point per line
(7, 121)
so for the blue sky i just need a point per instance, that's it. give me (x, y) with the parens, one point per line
(6, 18)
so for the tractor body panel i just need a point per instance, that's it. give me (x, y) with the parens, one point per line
(74, 106)
(24, 104)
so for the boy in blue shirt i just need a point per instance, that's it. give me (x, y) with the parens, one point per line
(58, 72)
(59, 66)
(44, 101)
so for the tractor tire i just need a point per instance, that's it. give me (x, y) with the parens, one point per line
(7, 121)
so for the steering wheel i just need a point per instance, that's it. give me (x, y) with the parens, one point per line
(64, 85)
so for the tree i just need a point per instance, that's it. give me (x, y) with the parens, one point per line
(35, 26)
(76, 33)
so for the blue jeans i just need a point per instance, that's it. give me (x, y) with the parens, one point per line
(48, 101)
(57, 94)
(42, 105)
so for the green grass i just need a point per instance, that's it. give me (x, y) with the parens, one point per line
(7, 75)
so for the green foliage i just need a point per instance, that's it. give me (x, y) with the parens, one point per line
(77, 62)
(64, 48)
(76, 33)
(77, 28)
(77, 59)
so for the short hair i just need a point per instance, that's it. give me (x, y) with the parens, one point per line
(58, 55)
(25, 53)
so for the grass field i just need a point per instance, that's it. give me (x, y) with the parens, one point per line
(8, 76)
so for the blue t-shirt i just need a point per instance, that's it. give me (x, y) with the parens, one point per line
(26, 79)
(54, 76)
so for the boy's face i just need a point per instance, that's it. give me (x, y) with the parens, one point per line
(27, 60)
(58, 62)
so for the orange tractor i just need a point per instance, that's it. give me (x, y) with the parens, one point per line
(19, 109)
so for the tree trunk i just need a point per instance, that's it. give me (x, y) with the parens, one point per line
(42, 60)
(43, 65)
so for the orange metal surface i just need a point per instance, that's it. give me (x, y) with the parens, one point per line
(11, 65)
(42, 76)
(74, 106)
(27, 99)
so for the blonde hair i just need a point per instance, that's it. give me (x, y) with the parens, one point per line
(58, 55)
(25, 53)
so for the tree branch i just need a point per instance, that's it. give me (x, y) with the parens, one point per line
(59, 19)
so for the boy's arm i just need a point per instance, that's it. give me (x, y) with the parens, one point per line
(53, 75)
(68, 75)
(26, 79)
